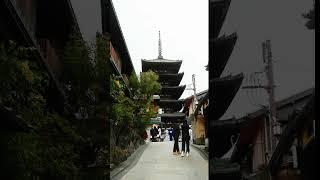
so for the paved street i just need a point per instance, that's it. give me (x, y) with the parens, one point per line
(158, 163)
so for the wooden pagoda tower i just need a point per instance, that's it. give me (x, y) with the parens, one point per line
(222, 90)
(169, 78)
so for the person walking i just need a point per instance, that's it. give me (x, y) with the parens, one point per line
(159, 134)
(185, 138)
(170, 133)
(190, 133)
(154, 133)
(176, 134)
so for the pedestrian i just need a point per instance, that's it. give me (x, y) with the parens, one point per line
(154, 133)
(151, 133)
(176, 134)
(190, 132)
(170, 134)
(185, 138)
(159, 134)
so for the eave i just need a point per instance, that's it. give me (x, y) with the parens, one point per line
(287, 137)
(172, 91)
(201, 102)
(171, 79)
(173, 104)
(161, 66)
(250, 122)
(231, 124)
(172, 117)
(28, 40)
(220, 51)
(217, 13)
(222, 93)
(111, 26)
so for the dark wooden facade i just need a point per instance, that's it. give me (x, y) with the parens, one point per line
(289, 160)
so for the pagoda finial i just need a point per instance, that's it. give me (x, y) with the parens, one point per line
(160, 48)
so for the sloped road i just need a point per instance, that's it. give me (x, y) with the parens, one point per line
(158, 163)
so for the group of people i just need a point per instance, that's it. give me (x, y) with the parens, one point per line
(174, 134)
(155, 133)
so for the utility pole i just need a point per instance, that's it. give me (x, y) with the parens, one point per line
(195, 100)
(274, 129)
(275, 125)
(194, 89)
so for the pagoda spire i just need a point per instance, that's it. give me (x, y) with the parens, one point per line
(159, 48)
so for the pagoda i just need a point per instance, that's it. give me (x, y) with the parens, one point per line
(169, 78)
(222, 90)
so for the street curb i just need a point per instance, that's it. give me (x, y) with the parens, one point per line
(125, 166)
(204, 154)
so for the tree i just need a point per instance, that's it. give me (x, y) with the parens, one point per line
(48, 150)
(87, 85)
(310, 16)
(130, 112)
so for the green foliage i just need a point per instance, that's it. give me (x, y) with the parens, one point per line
(134, 84)
(49, 150)
(21, 80)
(60, 146)
(130, 112)
(87, 87)
(149, 83)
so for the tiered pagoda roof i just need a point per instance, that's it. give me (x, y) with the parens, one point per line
(173, 105)
(225, 90)
(161, 66)
(217, 14)
(169, 78)
(172, 92)
(221, 51)
(222, 91)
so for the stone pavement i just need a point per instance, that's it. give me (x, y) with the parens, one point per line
(158, 163)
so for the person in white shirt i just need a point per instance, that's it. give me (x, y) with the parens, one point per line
(190, 132)
(159, 134)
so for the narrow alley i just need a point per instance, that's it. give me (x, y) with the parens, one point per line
(158, 163)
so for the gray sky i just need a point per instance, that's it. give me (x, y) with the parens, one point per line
(292, 46)
(184, 34)
(184, 31)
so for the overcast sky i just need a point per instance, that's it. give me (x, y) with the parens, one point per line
(184, 33)
(292, 47)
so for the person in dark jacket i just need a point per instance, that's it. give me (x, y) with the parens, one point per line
(170, 133)
(185, 138)
(176, 134)
(154, 132)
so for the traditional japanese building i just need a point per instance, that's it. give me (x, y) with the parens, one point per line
(222, 90)
(169, 78)
(34, 24)
(292, 157)
(196, 109)
(101, 16)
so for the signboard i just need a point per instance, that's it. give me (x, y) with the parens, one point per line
(156, 120)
